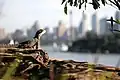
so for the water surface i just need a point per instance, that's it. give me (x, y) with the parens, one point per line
(107, 59)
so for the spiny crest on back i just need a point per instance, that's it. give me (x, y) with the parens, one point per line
(34, 41)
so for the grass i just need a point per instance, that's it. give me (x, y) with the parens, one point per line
(11, 69)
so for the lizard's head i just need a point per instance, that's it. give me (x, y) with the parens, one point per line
(40, 32)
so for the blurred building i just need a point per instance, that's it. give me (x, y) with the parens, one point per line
(2, 33)
(80, 30)
(31, 32)
(104, 27)
(71, 29)
(50, 34)
(72, 33)
(55, 33)
(95, 24)
(75, 33)
(62, 31)
(83, 26)
(117, 17)
(45, 37)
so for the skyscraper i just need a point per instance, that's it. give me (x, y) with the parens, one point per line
(31, 32)
(117, 17)
(95, 24)
(71, 30)
(55, 36)
(45, 36)
(83, 27)
(2, 33)
(62, 31)
(104, 27)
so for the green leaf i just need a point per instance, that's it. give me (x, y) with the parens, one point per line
(65, 8)
(118, 21)
(63, 1)
(11, 69)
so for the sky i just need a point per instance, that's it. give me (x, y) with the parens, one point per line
(21, 14)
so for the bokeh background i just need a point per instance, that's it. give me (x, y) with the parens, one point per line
(79, 35)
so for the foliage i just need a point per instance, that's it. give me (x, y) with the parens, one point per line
(11, 69)
(92, 43)
(95, 3)
(62, 77)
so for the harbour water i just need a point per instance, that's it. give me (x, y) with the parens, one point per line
(106, 59)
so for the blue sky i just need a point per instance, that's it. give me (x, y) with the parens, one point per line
(22, 13)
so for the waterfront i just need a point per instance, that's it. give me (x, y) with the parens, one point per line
(107, 59)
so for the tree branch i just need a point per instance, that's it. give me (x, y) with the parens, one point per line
(112, 2)
(111, 5)
(117, 4)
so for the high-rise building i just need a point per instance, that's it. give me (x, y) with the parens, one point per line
(95, 24)
(2, 33)
(117, 17)
(31, 32)
(46, 35)
(71, 30)
(62, 31)
(75, 32)
(55, 32)
(83, 27)
(104, 27)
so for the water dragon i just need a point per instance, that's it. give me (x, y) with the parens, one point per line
(33, 43)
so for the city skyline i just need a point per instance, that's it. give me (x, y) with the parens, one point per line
(20, 14)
